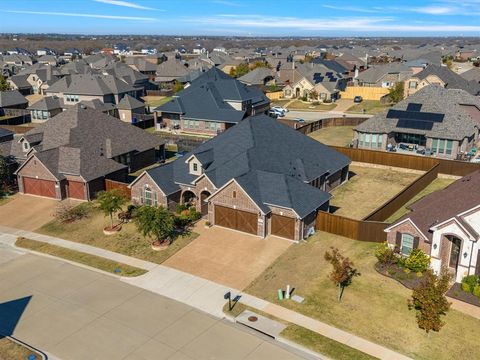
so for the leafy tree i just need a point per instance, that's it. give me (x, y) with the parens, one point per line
(260, 64)
(4, 85)
(177, 87)
(429, 300)
(155, 222)
(343, 271)
(111, 202)
(313, 95)
(396, 92)
(240, 70)
(5, 176)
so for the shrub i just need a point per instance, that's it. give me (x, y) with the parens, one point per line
(476, 290)
(384, 254)
(194, 215)
(407, 271)
(469, 283)
(417, 261)
(180, 208)
(67, 212)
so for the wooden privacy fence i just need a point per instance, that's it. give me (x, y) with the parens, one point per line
(17, 129)
(123, 187)
(322, 123)
(354, 229)
(391, 206)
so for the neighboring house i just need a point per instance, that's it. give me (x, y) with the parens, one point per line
(472, 75)
(446, 226)
(446, 121)
(100, 61)
(211, 104)
(20, 83)
(261, 76)
(76, 88)
(260, 177)
(17, 59)
(130, 76)
(12, 99)
(175, 70)
(48, 60)
(315, 78)
(384, 76)
(72, 154)
(41, 76)
(130, 109)
(143, 65)
(45, 108)
(6, 135)
(439, 75)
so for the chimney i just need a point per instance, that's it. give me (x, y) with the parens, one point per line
(108, 148)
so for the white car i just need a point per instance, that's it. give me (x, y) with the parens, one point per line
(280, 109)
(277, 112)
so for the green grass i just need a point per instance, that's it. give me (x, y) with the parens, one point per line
(280, 102)
(155, 101)
(368, 189)
(334, 135)
(80, 257)
(370, 106)
(10, 350)
(128, 241)
(300, 105)
(373, 306)
(435, 185)
(307, 338)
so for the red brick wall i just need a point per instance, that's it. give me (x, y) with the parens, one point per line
(408, 228)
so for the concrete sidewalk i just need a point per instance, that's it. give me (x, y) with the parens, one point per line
(205, 295)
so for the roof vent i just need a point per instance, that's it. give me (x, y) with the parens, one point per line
(83, 106)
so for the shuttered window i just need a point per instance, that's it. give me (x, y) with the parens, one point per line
(407, 244)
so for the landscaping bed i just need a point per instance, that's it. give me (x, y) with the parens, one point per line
(80, 257)
(456, 292)
(373, 306)
(408, 279)
(367, 189)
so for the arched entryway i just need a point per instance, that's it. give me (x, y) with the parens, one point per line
(451, 252)
(189, 198)
(203, 202)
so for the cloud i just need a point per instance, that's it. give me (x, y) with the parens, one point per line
(352, 8)
(125, 4)
(355, 24)
(436, 10)
(227, 3)
(98, 16)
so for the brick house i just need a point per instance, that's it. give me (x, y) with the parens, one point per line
(449, 234)
(213, 103)
(445, 121)
(259, 177)
(71, 155)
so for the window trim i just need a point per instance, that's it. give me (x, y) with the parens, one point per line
(401, 243)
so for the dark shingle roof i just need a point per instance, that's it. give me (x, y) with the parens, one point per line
(128, 103)
(11, 98)
(272, 162)
(90, 85)
(451, 79)
(47, 103)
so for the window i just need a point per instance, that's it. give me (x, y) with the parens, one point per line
(449, 147)
(361, 138)
(374, 140)
(195, 167)
(149, 197)
(407, 244)
(367, 140)
(412, 84)
(441, 146)
(234, 194)
(434, 145)
(26, 146)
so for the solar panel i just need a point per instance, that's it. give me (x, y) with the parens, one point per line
(414, 107)
(415, 124)
(415, 115)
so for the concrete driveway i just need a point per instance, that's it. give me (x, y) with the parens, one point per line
(227, 257)
(74, 313)
(27, 212)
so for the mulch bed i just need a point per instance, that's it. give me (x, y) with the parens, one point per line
(456, 292)
(410, 280)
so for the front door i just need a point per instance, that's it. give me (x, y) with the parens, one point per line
(454, 252)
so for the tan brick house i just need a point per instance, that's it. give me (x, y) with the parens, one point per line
(260, 177)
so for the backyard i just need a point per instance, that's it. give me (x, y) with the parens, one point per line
(367, 189)
(128, 241)
(373, 306)
(435, 185)
(370, 106)
(334, 135)
(155, 101)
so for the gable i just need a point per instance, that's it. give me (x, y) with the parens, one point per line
(233, 194)
(34, 168)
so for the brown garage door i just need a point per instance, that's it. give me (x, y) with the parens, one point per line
(76, 190)
(39, 187)
(283, 226)
(236, 219)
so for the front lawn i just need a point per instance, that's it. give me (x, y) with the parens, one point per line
(301, 105)
(373, 307)
(435, 185)
(128, 241)
(367, 189)
(334, 135)
(370, 106)
(80, 257)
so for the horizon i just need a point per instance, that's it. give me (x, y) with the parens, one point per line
(378, 19)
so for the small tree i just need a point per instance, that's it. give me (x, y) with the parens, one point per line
(4, 85)
(5, 176)
(240, 70)
(111, 202)
(177, 87)
(396, 92)
(343, 271)
(155, 222)
(429, 300)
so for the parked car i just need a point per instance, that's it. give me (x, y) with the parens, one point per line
(357, 99)
(279, 108)
(300, 120)
(273, 114)
(279, 113)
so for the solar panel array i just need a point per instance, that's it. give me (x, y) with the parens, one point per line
(413, 118)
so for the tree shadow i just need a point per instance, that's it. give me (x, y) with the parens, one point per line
(11, 313)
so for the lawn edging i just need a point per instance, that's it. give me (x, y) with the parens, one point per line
(78, 257)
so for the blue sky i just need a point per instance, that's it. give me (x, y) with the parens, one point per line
(243, 17)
